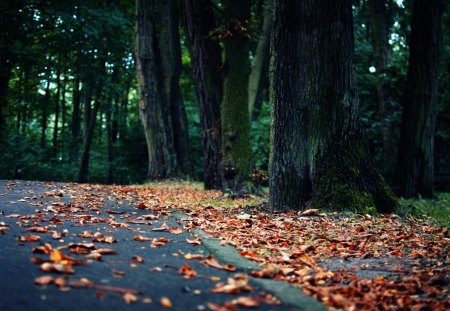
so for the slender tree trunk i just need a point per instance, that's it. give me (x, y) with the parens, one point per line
(76, 120)
(379, 21)
(44, 118)
(5, 74)
(90, 116)
(150, 90)
(260, 60)
(236, 151)
(109, 137)
(208, 81)
(63, 109)
(55, 128)
(414, 172)
(318, 157)
(171, 66)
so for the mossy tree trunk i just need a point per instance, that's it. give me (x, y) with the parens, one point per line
(414, 172)
(318, 156)
(208, 81)
(171, 67)
(236, 150)
(151, 101)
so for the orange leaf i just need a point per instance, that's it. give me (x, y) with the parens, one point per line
(247, 302)
(43, 280)
(175, 230)
(138, 259)
(141, 238)
(165, 302)
(187, 271)
(197, 241)
(164, 227)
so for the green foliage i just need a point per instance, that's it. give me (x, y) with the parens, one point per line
(260, 136)
(437, 209)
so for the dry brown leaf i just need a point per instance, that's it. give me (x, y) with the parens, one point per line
(190, 256)
(29, 238)
(43, 280)
(141, 238)
(186, 271)
(157, 242)
(175, 230)
(129, 298)
(164, 227)
(228, 306)
(138, 259)
(246, 302)
(212, 262)
(309, 212)
(197, 241)
(165, 302)
(56, 267)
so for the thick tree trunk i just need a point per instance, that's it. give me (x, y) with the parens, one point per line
(318, 155)
(379, 21)
(260, 60)
(150, 90)
(236, 150)
(208, 81)
(171, 66)
(414, 172)
(90, 116)
(76, 120)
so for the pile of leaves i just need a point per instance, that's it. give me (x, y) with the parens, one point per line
(296, 247)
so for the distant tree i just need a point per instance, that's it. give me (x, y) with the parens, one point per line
(414, 172)
(236, 150)
(379, 16)
(171, 68)
(319, 157)
(208, 81)
(152, 100)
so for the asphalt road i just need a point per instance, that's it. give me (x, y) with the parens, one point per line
(153, 279)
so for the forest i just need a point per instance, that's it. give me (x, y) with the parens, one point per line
(336, 109)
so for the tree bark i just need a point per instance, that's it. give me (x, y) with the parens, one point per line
(171, 67)
(109, 138)
(236, 150)
(56, 107)
(90, 116)
(44, 117)
(414, 172)
(208, 81)
(151, 101)
(318, 157)
(5, 74)
(76, 120)
(259, 63)
(379, 21)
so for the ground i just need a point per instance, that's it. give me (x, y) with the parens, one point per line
(173, 245)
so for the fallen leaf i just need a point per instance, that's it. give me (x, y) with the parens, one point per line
(309, 212)
(164, 227)
(138, 259)
(212, 262)
(165, 302)
(228, 306)
(175, 230)
(57, 267)
(186, 271)
(157, 242)
(141, 238)
(197, 241)
(43, 280)
(190, 256)
(29, 238)
(129, 298)
(246, 302)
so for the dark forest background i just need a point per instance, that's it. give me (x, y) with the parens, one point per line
(70, 104)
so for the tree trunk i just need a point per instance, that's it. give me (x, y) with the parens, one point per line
(5, 74)
(109, 138)
(171, 66)
(76, 120)
(414, 172)
(379, 21)
(236, 150)
(151, 101)
(90, 116)
(55, 128)
(260, 60)
(319, 157)
(208, 82)
(44, 117)
(63, 109)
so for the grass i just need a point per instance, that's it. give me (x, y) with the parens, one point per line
(437, 209)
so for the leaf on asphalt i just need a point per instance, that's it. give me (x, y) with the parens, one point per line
(148, 217)
(138, 259)
(43, 249)
(114, 212)
(228, 306)
(29, 238)
(56, 235)
(197, 241)
(38, 229)
(3, 227)
(235, 285)
(251, 255)
(85, 234)
(58, 257)
(57, 267)
(165, 302)
(246, 302)
(190, 256)
(164, 227)
(141, 205)
(141, 238)
(175, 230)
(118, 273)
(104, 239)
(186, 271)
(212, 262)
(129, 298)
(43, 280)
(269, 299)
(157, 242)
(105, 251)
